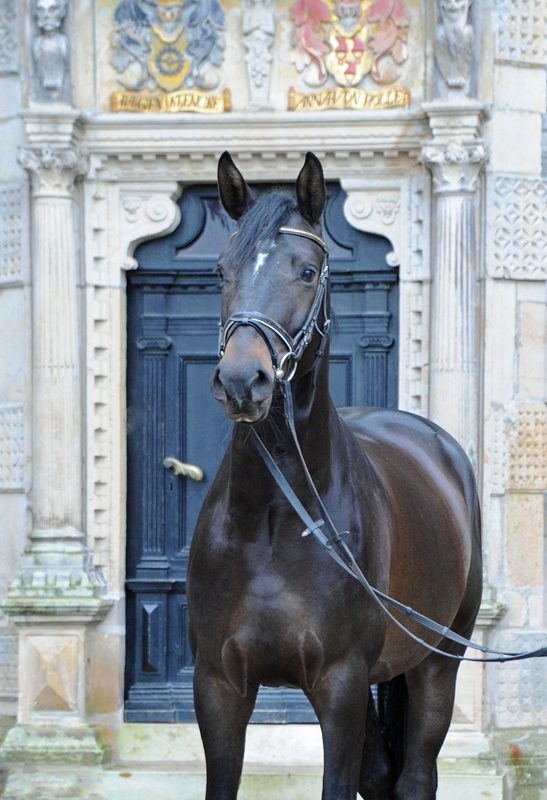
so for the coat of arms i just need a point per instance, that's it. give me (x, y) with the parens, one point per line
(349, 39)
(168, 44)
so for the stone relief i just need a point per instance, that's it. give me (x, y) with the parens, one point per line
(522, 31)
(11, 235)
(12, 447)
(258, 36)
(348, 39)
(527, 449)
(521, 699)
(520, 229)
(8, 37)
(50, 51)
(168, 44)
(454, 42)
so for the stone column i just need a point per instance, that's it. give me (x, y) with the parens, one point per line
(56, 592)
(455, 161)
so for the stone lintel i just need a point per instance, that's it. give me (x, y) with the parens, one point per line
(58, 125)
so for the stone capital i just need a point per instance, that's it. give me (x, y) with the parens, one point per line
(455, 167)
(53, 170)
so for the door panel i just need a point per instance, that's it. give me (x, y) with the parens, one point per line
(173, 311)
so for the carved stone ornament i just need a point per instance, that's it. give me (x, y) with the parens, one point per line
(168, 44)
(8, 37)
(377, 212)
(454, 42)
(522, 31)
(456, 167)
(53, 170)
(50, 51)
(145, 216)
(348, 40)
(519, 229)
(258, 35)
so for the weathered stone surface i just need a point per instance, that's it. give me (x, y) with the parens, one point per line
(524, 539)
(51, 744)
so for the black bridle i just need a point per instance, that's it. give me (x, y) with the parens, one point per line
(333, 543)
(285, 368)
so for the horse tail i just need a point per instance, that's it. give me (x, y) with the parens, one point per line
(393, 713)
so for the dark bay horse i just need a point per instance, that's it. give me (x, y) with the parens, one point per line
(269, 607)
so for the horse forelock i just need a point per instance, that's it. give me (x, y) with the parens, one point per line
(259, 225)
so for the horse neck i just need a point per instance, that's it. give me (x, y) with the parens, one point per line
(315, 422)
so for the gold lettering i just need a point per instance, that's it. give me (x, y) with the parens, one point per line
(349, 98)
(173, 101)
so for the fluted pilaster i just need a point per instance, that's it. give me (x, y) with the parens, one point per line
(56, 575)
(454, 376)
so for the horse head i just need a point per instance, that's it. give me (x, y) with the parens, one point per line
(274, 288)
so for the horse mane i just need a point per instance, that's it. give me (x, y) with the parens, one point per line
(259, 224)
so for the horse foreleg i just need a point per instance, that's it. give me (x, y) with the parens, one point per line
(376, 781)
(431, 688)
(340, 702)
(223, 715)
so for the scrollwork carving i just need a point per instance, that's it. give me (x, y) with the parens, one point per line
(377, 212)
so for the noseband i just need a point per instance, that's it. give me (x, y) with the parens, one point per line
(285, 368)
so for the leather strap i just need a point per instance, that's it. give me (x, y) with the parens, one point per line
(340, 552)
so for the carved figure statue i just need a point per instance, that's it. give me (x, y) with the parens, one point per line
(258, 35)
(454, 42)
(50, 50)
(168, 43)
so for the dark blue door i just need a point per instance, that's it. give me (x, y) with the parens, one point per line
(173, 310)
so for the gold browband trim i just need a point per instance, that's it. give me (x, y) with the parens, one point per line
(306, 235)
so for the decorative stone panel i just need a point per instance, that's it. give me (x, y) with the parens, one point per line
(8, 666)
(8, 37)
(520, 229)
(522, 31)
(521, 686)
(12, 447)
(12, 235)
(527, 449)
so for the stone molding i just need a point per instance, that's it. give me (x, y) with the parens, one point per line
(518, 211)
(522, 32)
(9, 60)
(53, 170)
(455, 167)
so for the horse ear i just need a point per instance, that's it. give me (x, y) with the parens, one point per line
(235, 195)
(310, 189)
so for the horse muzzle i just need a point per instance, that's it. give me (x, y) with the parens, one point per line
(243, 385)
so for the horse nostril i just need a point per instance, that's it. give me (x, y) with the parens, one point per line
(217, 387)
(262, 386)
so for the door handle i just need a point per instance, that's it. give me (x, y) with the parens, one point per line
(180, 468)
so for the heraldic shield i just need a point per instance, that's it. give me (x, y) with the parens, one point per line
(168, 64)
(349, 60)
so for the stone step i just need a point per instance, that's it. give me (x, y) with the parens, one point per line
(142, 785)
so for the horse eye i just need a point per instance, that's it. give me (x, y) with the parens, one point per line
(309, 274)
(220, 273)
